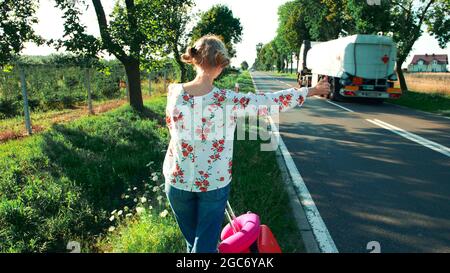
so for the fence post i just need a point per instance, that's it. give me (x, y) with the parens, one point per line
(165, 80)
(88, 86)
(25, 100)
(150, 83)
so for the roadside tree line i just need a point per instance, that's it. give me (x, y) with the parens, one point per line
(323, 20)
(140, 34)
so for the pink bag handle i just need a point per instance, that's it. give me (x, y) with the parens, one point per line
(231, 217)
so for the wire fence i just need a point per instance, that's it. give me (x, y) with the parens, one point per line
(26, 89)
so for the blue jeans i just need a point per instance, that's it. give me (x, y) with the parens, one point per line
(200, 216)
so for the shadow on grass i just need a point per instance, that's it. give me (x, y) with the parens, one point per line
(103, 156)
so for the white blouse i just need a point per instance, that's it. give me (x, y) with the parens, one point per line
(200, 152)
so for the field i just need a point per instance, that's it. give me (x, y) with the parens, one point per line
(428, 82)
(428, 92)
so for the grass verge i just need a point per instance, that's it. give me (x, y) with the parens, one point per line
(437, 103)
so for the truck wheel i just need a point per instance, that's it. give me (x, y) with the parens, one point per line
(335, 88)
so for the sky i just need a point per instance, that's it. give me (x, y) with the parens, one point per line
(259, 20)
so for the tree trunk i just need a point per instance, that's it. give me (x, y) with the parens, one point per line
(292, 63)
(134, 81)
(401, 77)
(183, 71)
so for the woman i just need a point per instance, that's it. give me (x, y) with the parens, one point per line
(202, 120)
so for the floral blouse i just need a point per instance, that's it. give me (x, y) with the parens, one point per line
(200, 152)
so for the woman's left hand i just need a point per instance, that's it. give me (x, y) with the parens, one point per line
(322, 88)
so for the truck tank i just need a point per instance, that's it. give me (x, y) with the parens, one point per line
(365, 56)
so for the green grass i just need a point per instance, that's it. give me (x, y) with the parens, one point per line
(286, 75)
(438, 103)
(149, 233)
(244, 80)
(61, 185)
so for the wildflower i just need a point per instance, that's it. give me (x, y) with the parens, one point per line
(127, 196)
(126, 208)
(155, 178)
(150, 207)
(129, 189)
(135, 200)
(113, 212)
(111, 218)
(155, 188)
(111, 229)
(119, 212)
(140, 210)
(135, 188)
(143, 199)
(154, 174)
(129, 215)
(164, 213)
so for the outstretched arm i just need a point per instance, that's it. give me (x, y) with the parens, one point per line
(272, 103)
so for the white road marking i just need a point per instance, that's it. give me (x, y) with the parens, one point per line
(413, 137)
(320, 231)
(340, 106)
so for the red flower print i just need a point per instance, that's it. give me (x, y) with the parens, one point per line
(168, 122)
(219, 98)
(217, 148)
(285, 100)
(204, 130)
(187, 151)
(188, 99)
(202, 182)
(177, 175)
(230, 165)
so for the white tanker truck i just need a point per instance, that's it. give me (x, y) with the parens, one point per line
(356, 66)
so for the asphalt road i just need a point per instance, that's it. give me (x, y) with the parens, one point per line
(369, 183)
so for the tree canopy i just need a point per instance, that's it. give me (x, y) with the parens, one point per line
(137, 34)
(219, 20)
(16, 27)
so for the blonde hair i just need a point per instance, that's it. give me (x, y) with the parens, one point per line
(208, 51)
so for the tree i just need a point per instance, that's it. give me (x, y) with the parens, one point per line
(178, 21)
(136, 35)
(244, 65)
(409, 17)
(16, 21)
(219, 20)
(292, 27)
